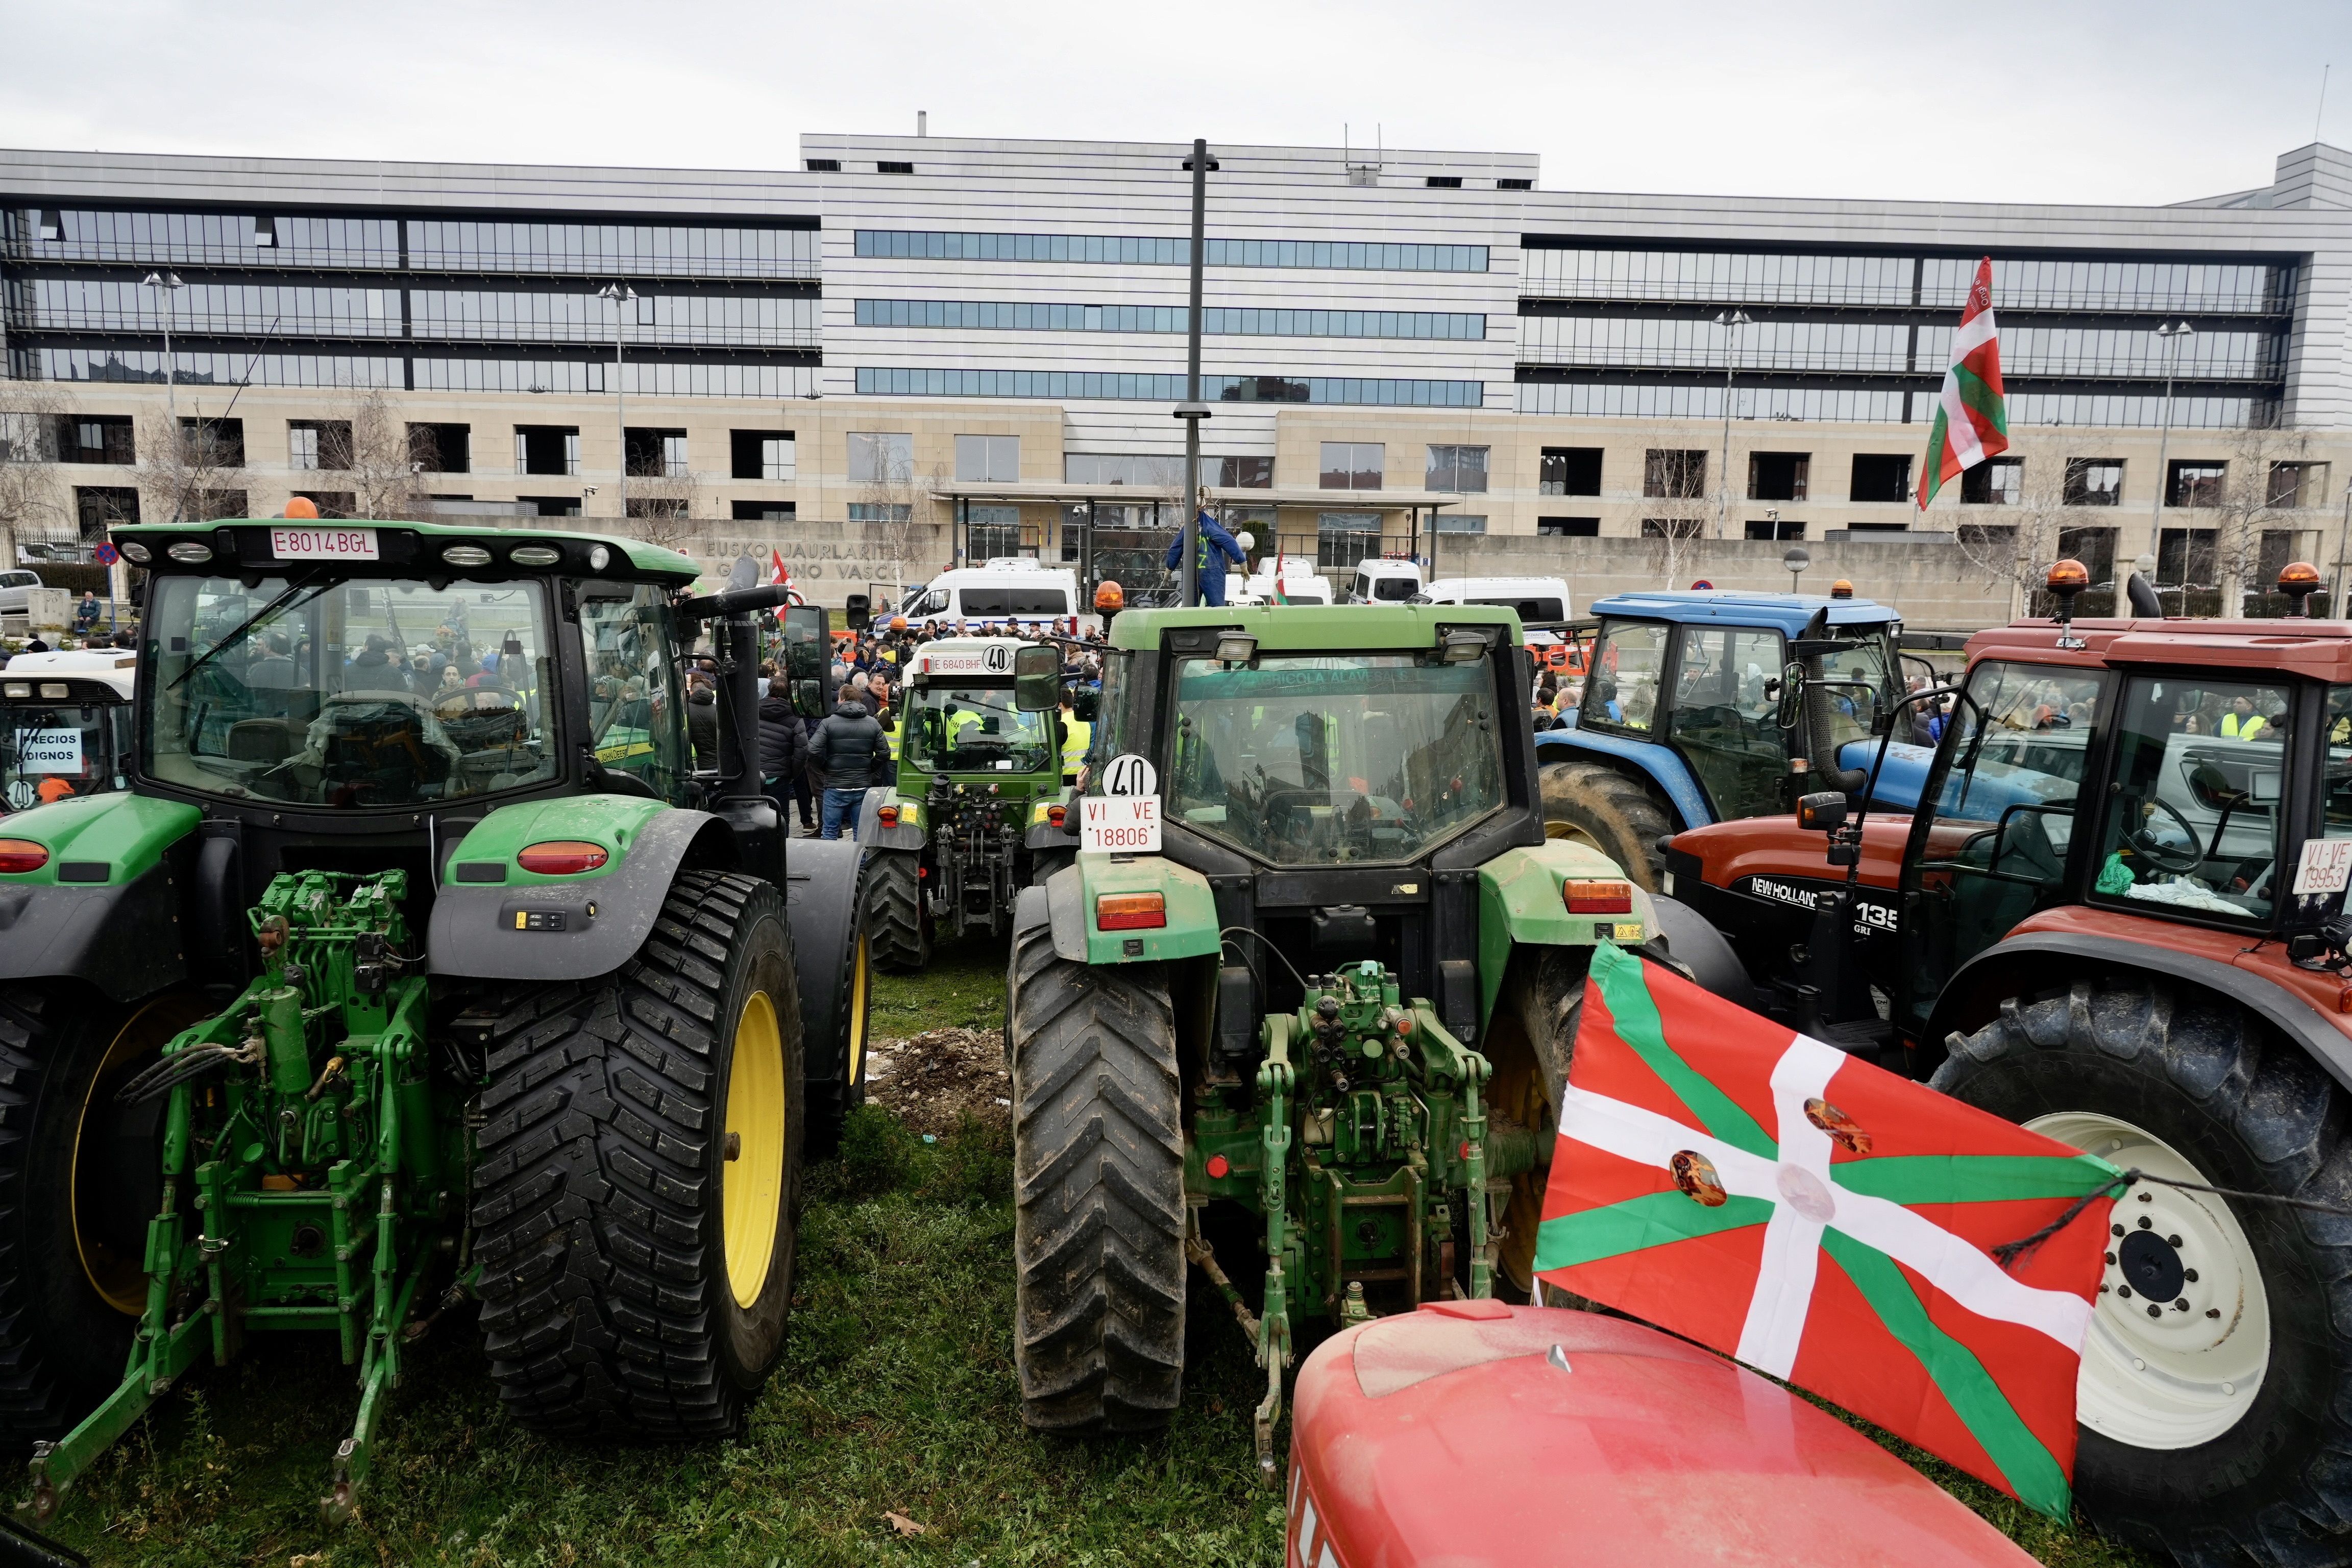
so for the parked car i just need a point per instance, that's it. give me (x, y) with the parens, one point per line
(15, 584)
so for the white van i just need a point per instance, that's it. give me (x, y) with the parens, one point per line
(1009, 589)
(1537, 599)
(1296, 576)
(1382, 579)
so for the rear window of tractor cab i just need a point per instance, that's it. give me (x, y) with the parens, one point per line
(331, 692)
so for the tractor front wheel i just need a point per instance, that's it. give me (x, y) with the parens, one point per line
(637, 1192)
(2216, 1388)
(1599, 807)
(1098, 1190)
(896, 921)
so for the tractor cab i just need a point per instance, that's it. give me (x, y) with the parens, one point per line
(65, 726)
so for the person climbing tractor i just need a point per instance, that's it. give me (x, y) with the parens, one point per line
(1210, 570)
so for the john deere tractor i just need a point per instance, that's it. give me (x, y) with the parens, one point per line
(977, 803)
(415, 963)
(1300, 1011)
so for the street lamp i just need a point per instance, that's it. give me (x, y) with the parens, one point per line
(169, 282)
(2171, 333)
(1731, 321)
(622, 295)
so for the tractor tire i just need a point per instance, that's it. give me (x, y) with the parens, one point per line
(1529, 1045)
(1098, 1189)
(824, 887)
(896, 922)
(636, 1189)
(2222, 1433)
(79, 1179)
(1598, 806)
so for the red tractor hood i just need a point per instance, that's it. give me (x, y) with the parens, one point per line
(1452, 1435)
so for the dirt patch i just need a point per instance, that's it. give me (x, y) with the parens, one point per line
(931, 1080)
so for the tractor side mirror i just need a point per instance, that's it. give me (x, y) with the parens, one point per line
(1821, 812)
(808, 699)
(1792, 696)
(1037, 678)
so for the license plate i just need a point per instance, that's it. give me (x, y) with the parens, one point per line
(1119, 824)
(322, 544)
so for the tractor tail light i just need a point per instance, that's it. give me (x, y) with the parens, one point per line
(1598, 897)
(22, 855)
(562, 857)
(1056, 816)
(888, 816)
(1130, 912)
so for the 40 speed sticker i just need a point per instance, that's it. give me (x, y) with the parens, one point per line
(1122, 824)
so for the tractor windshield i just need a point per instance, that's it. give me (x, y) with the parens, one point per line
(54, 751)
(1316, 760)
(973, 729)
(321, 690)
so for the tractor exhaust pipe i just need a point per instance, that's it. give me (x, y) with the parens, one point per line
(1820, 745)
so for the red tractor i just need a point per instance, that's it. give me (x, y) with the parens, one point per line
(2118, 917)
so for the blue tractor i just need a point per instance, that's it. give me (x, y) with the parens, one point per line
(1689, 715)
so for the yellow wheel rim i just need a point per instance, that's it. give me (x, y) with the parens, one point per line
(119, 1278)
(857, 1062)
(1555, 828)
(751, 1187)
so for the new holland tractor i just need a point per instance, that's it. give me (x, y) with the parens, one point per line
(978, 804)
(2119, 919)
(1300, 1010)
(415, 963)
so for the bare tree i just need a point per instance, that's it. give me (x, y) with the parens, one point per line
(371, 446)
(2016, 545)
(2248, 501)
(1678, 511)
(194, 473)
(33, 494)
(893, 504)
(662, 499)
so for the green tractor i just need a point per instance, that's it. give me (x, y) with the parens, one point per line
(416, 963)
(1300, 1010)
(978, 808)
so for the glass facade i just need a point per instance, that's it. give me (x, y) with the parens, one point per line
(1147, 250)
(1080, 386)
(990, 315)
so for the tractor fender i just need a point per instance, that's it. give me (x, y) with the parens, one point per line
(2039, 959)
(1190, 909)
(569, 928)
(1522, 903)
(105, 905)
(821, 893)
(1687, 944)
(906, 836)
(1662, 766)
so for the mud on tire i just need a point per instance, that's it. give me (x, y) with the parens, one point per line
(1098, 1186)
(598, 1193)
(2250, 1111)
(1616, 814)
(894, 920)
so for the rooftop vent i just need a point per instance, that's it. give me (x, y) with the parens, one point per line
(823, 165)
(887, 167)
(1445, 182)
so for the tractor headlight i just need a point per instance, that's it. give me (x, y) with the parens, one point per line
(136, 553)
(1236, 648)
(188, 553)
(466, 556)
(1464, 647)
(56, 691)
(534, 555)
(599, 558)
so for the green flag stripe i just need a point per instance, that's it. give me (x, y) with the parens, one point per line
(2030, 1470)
(1653, 1219)
(1629, 1003)
(1972, 1178)
(1937, 438)
(1981, 399)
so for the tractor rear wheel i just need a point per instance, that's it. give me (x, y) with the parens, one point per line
(637, 1192)
(2219, 1429)
(1098, 1189)
(79, 1179)
(894, 919)
(1599, 807)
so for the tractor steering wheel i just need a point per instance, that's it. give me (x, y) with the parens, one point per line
(2164, 857)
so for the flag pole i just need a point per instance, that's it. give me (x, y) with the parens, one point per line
(1192, 410)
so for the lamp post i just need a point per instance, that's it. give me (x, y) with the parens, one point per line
(1731, 321)
(1192, 410)
(622, 295)
(2171, 333)
(169, 284)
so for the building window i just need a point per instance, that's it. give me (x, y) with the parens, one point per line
(211, 506)
(1779, 476)
(1445, 182)
(988, 458)
(2096, 549)
(656, 454)
(878, 511)
(1066, 385)
(760, 453)
(1996, 481)
(823, 165)
(1460, 470)
(992, 531)
(214, 444)
(1234, 321)
(1510, 185)
(552, 505)
(1345, 538)
(100, 507)
(1567, 527)
(890, 166)
(332, 503)
(1353, 465)
(318, 444)
(100, 438)
(1457, 522)
(2298, 484)
(1881, 477)
(2185, 558)
(2194, 483)
(657, 506)
(1245, 473)
(881, 456)
(1150, 469)
(1132, 250)
(443, 449)
(544, 450)
(1774, 528)
(763, 511)
(1673, 473)
(1671, 528)
(1570, 471)
(2094, 481)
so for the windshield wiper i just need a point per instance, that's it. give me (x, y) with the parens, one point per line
(237, 635)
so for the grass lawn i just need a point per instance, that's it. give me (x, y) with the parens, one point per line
(896, 1396)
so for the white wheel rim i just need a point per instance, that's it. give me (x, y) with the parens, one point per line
(2184, 1376)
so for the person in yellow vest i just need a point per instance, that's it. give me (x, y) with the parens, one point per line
(1077, 735)
(2241, 722)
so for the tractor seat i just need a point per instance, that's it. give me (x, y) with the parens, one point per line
(270, 740)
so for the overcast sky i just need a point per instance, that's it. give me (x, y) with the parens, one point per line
(2151, 100)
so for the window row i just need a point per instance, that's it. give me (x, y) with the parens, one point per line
(1894, 348)
(640, 376)
(1007, 315)
(1148, 251)
(431, 244)
(98, 508)
(1145, 387)
(1604, 399)
(1941, 282)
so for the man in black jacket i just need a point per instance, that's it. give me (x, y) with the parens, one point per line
(850, 753)
(783, 754)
